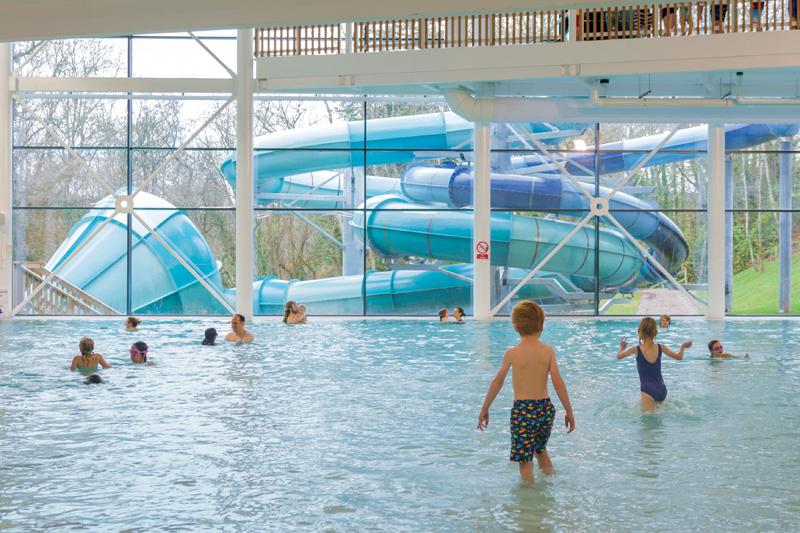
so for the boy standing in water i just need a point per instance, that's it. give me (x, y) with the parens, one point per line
(533, 413)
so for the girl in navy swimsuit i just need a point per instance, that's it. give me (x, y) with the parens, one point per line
(648, 362)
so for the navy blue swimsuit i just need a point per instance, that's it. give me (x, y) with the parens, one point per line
(650, 376)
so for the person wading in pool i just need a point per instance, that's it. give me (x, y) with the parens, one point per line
(648, 362)
(87, 361)
(716, 351)
(458, 314)
(238, 333)
(293, 313)
(138, 353)
(533, 413)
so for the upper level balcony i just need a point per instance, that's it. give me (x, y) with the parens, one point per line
(675, 49)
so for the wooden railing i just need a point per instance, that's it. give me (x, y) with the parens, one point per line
(670, 19)
(58, 297)
(666, 19)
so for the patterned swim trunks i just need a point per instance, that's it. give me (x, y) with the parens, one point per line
(531, 422)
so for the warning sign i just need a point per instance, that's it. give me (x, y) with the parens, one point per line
(482, 250)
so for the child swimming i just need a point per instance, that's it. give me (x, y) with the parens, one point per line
(648, 362)
(131, 323)
(87, 361)
(716, 351)
(138, 353)
(533, 413)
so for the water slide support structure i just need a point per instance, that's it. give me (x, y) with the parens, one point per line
(481, 229)
(785, 228)
(716, 222)
(5, 181)
(244, 184)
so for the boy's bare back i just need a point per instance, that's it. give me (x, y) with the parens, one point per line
(530, 366)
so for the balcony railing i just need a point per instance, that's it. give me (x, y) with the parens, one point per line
(636, 21)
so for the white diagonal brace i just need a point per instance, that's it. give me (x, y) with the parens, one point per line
(644, 161)
(185, 264)
(649, 256)
(180, 148)
(212, 54)
(65, 144)
(541, 264)
(51, 275)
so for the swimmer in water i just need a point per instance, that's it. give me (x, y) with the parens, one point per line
(458, 314)
(444, 315)
(293, 313)
(131, 323)
(238, 334)
(532, 415)
(87, 361)
(210, 335)
(648, 362)
(138, 353)
(94, 379)
(717, 352)
(665, 321)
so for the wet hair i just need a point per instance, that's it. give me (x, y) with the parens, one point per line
(527, 318)
(241, 317)
(287, 309)
(711, 345)
(142, 348)
(648, 329)
(133, 321)
(87, 345)
(94, 379)
(210, 336)
(442, 313)
(460, 310)
(669, 320)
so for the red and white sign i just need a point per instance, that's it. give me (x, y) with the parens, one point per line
(482, 250)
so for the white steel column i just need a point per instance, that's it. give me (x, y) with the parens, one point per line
(5, 182)
(785, 228)
(244, 173)
(716, 221)
(481, 225)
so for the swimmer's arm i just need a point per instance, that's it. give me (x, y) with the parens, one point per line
(74, 364)
(563, 395)
(494, 389)
(102, 361)
(679, 354)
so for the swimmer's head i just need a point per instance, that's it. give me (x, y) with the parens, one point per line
(443, 314)
(458, 313)
(94, 379)
(664, 321)
(86, 346)
(527, 318)
(648, 329)
(237, 320)
(132, 322)
(715, 346)
(210, 337)
(138, 352)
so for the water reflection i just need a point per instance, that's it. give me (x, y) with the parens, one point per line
(649, 454)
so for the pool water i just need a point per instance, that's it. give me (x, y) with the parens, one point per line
(350, 425)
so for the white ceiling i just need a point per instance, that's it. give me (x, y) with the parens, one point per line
(47, 19)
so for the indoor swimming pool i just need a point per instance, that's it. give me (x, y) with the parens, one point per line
(369, 425)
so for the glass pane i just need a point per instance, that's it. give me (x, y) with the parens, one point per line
(755, 178)
(81, 123)
(53, 178)
(92, 281)
(72, 58)
(416, 125)
(182, 57)
(203, 239)
(298, 257)
(677, 241)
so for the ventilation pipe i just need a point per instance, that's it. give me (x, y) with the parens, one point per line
(598, 108)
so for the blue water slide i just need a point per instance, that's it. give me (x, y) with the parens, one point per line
(396, 227)
(453, 187)
(160, 283)
(685, 144)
